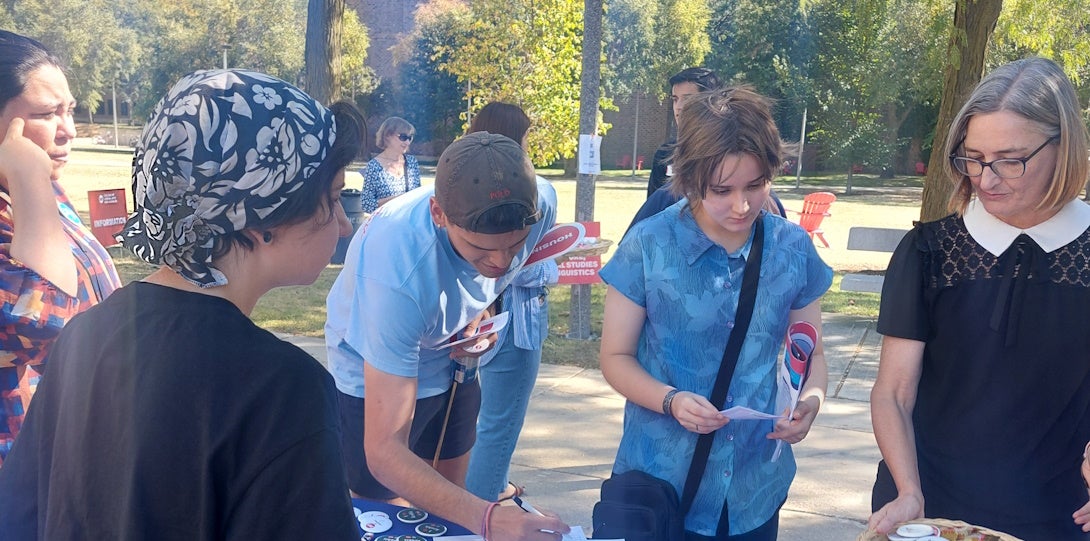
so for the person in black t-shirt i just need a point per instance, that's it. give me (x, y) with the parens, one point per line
(166, 413)
(683, 84)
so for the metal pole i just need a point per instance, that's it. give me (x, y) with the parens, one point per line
(636, 133)
(113, 88)
(802, 144)
(225, 56)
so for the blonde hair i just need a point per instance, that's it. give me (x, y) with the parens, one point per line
(730, 120)
(394, 124)
(1035, 89)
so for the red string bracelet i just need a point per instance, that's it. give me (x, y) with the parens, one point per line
(487, 519)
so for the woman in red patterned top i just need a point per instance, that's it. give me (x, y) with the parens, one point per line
(51, 267)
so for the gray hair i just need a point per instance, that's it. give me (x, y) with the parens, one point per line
(1038, 90)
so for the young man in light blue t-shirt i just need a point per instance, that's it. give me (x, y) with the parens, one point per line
(424, 270)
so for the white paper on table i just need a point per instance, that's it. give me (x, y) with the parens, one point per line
(576, 534)
(742, 413)
(491, 325)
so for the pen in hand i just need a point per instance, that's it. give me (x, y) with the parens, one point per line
(525, 506)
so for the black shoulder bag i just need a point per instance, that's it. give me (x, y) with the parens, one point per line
(637, 506)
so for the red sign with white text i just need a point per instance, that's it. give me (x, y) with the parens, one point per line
(557, 242)
(583, 270)
(108, 210)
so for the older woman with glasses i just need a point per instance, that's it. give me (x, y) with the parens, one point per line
(392, 172)
(982, 403)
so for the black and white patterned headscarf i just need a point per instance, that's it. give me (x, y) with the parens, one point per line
(222, 150)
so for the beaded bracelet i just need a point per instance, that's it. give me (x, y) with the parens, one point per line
(487, 518)
(668, 402)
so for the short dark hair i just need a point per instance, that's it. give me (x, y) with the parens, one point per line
(503, 118)
(704, 78)
(19, 56)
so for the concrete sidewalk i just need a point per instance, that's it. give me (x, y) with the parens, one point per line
(574, 423)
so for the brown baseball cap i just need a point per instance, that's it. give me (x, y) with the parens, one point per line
(485, 183)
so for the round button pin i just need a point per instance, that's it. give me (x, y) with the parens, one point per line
(375, 522)
(412, 516)
(431, 529)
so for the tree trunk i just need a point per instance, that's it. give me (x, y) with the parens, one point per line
(588, 123)
(322, 54)
(974, 22)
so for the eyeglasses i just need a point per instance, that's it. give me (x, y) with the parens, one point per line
(405, 137)
(1003, 168)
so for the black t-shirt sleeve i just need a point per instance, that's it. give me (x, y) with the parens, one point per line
(659, 162)
(903, 312)
(300, 494)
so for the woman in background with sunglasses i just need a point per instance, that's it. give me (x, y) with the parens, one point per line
(392, 172)
(982, 403)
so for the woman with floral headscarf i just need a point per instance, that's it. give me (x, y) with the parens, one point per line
(167, 413)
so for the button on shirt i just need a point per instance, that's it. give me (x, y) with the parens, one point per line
(666, 265)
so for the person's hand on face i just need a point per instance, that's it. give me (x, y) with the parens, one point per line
(20, 158)
(45, 107)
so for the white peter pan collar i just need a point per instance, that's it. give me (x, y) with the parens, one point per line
(1056, 232)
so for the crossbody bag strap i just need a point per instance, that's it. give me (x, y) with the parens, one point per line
(746, 299)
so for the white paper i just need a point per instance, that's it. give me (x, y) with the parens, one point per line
(576, 534)
(742, 413)
(590, 159)
(491, 325)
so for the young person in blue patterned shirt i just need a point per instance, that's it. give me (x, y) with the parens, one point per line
(673, 293)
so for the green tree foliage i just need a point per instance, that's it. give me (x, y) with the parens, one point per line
(647, 41)
(88, 37)
(846, 41)
(6, 19)
(1058, 29)
(526, 52)
(425, 95)
(146, 45)
(769, 45)
(356, 76)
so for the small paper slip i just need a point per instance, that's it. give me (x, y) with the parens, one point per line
(493, 324)
(742, 413)
(576, 534)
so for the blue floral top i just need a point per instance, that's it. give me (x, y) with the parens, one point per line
(378, 183)
(689, 287)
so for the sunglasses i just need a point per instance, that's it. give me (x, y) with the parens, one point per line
(404, 137)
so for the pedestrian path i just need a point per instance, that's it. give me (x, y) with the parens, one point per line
(574, 423)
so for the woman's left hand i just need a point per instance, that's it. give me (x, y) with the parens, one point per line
(1082, 516)
(796, 428)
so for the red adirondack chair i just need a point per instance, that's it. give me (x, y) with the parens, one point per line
(815, 207)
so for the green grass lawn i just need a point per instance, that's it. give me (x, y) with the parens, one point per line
(301, 310)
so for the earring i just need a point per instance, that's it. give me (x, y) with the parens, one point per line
(267, 237)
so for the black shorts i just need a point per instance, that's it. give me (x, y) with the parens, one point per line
(423, 436)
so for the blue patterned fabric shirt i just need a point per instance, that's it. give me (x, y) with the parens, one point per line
(689, 287)
(378, 183)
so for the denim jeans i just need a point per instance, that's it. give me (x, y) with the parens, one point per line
(506, 384)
